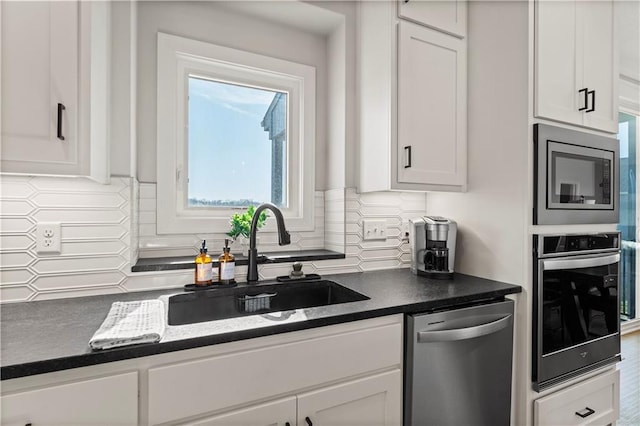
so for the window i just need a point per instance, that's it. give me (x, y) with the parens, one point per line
(234, 129)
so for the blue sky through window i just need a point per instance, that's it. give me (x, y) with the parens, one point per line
(229, 151)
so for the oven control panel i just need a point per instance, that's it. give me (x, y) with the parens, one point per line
(577, 243)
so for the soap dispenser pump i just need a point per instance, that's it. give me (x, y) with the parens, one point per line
(204, 267)
(226, 265)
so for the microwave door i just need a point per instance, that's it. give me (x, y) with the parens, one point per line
(579, 178)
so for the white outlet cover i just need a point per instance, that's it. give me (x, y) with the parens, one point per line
(48, 236)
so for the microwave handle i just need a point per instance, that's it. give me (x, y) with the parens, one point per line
(556, 264)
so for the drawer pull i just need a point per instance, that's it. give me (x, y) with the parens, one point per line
(308, 420)
(585, 413)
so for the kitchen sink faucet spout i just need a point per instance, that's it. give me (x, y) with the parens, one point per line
(283, 237)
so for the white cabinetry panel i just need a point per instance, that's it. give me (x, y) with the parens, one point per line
(275, 413)
(39, 71)
(186, 389)
(576, 63)
(449, 16)
(111, 400)
(591, 402)
(371, 401)
(431, 106)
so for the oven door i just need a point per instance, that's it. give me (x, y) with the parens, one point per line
(576, 317)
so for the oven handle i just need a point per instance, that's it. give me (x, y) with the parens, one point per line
(556, 264)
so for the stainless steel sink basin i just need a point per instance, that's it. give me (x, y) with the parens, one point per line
(216, 304)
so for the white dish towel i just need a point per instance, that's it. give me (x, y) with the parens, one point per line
(130, 323)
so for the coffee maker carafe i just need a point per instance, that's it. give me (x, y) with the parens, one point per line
(433, 246)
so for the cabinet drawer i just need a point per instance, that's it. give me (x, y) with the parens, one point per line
(280, 365)
(596, 399)
(111, 400)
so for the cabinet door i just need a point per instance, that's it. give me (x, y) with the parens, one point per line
(600, 73)
(371, 401)
(556, 79)
(39, 71)
(446, 15)
(105, 401)
(432, 110)
(276, 413)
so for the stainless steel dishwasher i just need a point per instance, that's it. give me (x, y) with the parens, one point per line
(458, 366)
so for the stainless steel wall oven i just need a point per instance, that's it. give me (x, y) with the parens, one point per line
(576, 305)
(577, 177)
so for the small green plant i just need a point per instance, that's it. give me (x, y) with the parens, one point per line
(241, 222)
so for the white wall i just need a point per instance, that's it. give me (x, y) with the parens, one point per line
(492, 213)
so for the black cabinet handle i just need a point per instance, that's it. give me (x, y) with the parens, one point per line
(287, 424)
(586, 99)
(60, 109)
(407, 150)
(593, 100)
(308, 420)
(585, 413)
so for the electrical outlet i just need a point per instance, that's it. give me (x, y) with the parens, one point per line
(374, 229)
(48, 237)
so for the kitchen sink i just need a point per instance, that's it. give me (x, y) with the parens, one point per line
(223, 303)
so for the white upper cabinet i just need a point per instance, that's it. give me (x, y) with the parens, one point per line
(413, 103)
(575, 63)
(449, 16)
(40, 72)
(431, 106)
(54, 88)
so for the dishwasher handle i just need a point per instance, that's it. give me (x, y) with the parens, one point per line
(464, 333)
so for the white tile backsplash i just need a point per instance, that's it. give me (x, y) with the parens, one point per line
(105, 228)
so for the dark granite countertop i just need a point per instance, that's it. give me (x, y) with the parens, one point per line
(45, 336)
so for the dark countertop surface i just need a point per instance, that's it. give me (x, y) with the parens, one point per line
(45, 336)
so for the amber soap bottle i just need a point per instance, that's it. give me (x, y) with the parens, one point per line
(204, 267)
(226, 265)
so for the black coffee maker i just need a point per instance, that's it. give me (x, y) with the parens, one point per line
(433, 246)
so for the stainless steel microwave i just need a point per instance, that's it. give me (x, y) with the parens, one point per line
(577, 177)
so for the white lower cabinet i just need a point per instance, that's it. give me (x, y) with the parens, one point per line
(111, 400)
(353, 367)
(344, 374)
(591, 402)
(281, 412)
(371, 401)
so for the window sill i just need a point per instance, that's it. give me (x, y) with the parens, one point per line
(187, 262)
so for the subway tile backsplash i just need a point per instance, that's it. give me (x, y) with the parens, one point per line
(105, 228)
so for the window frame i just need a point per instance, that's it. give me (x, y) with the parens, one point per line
(179, 58)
